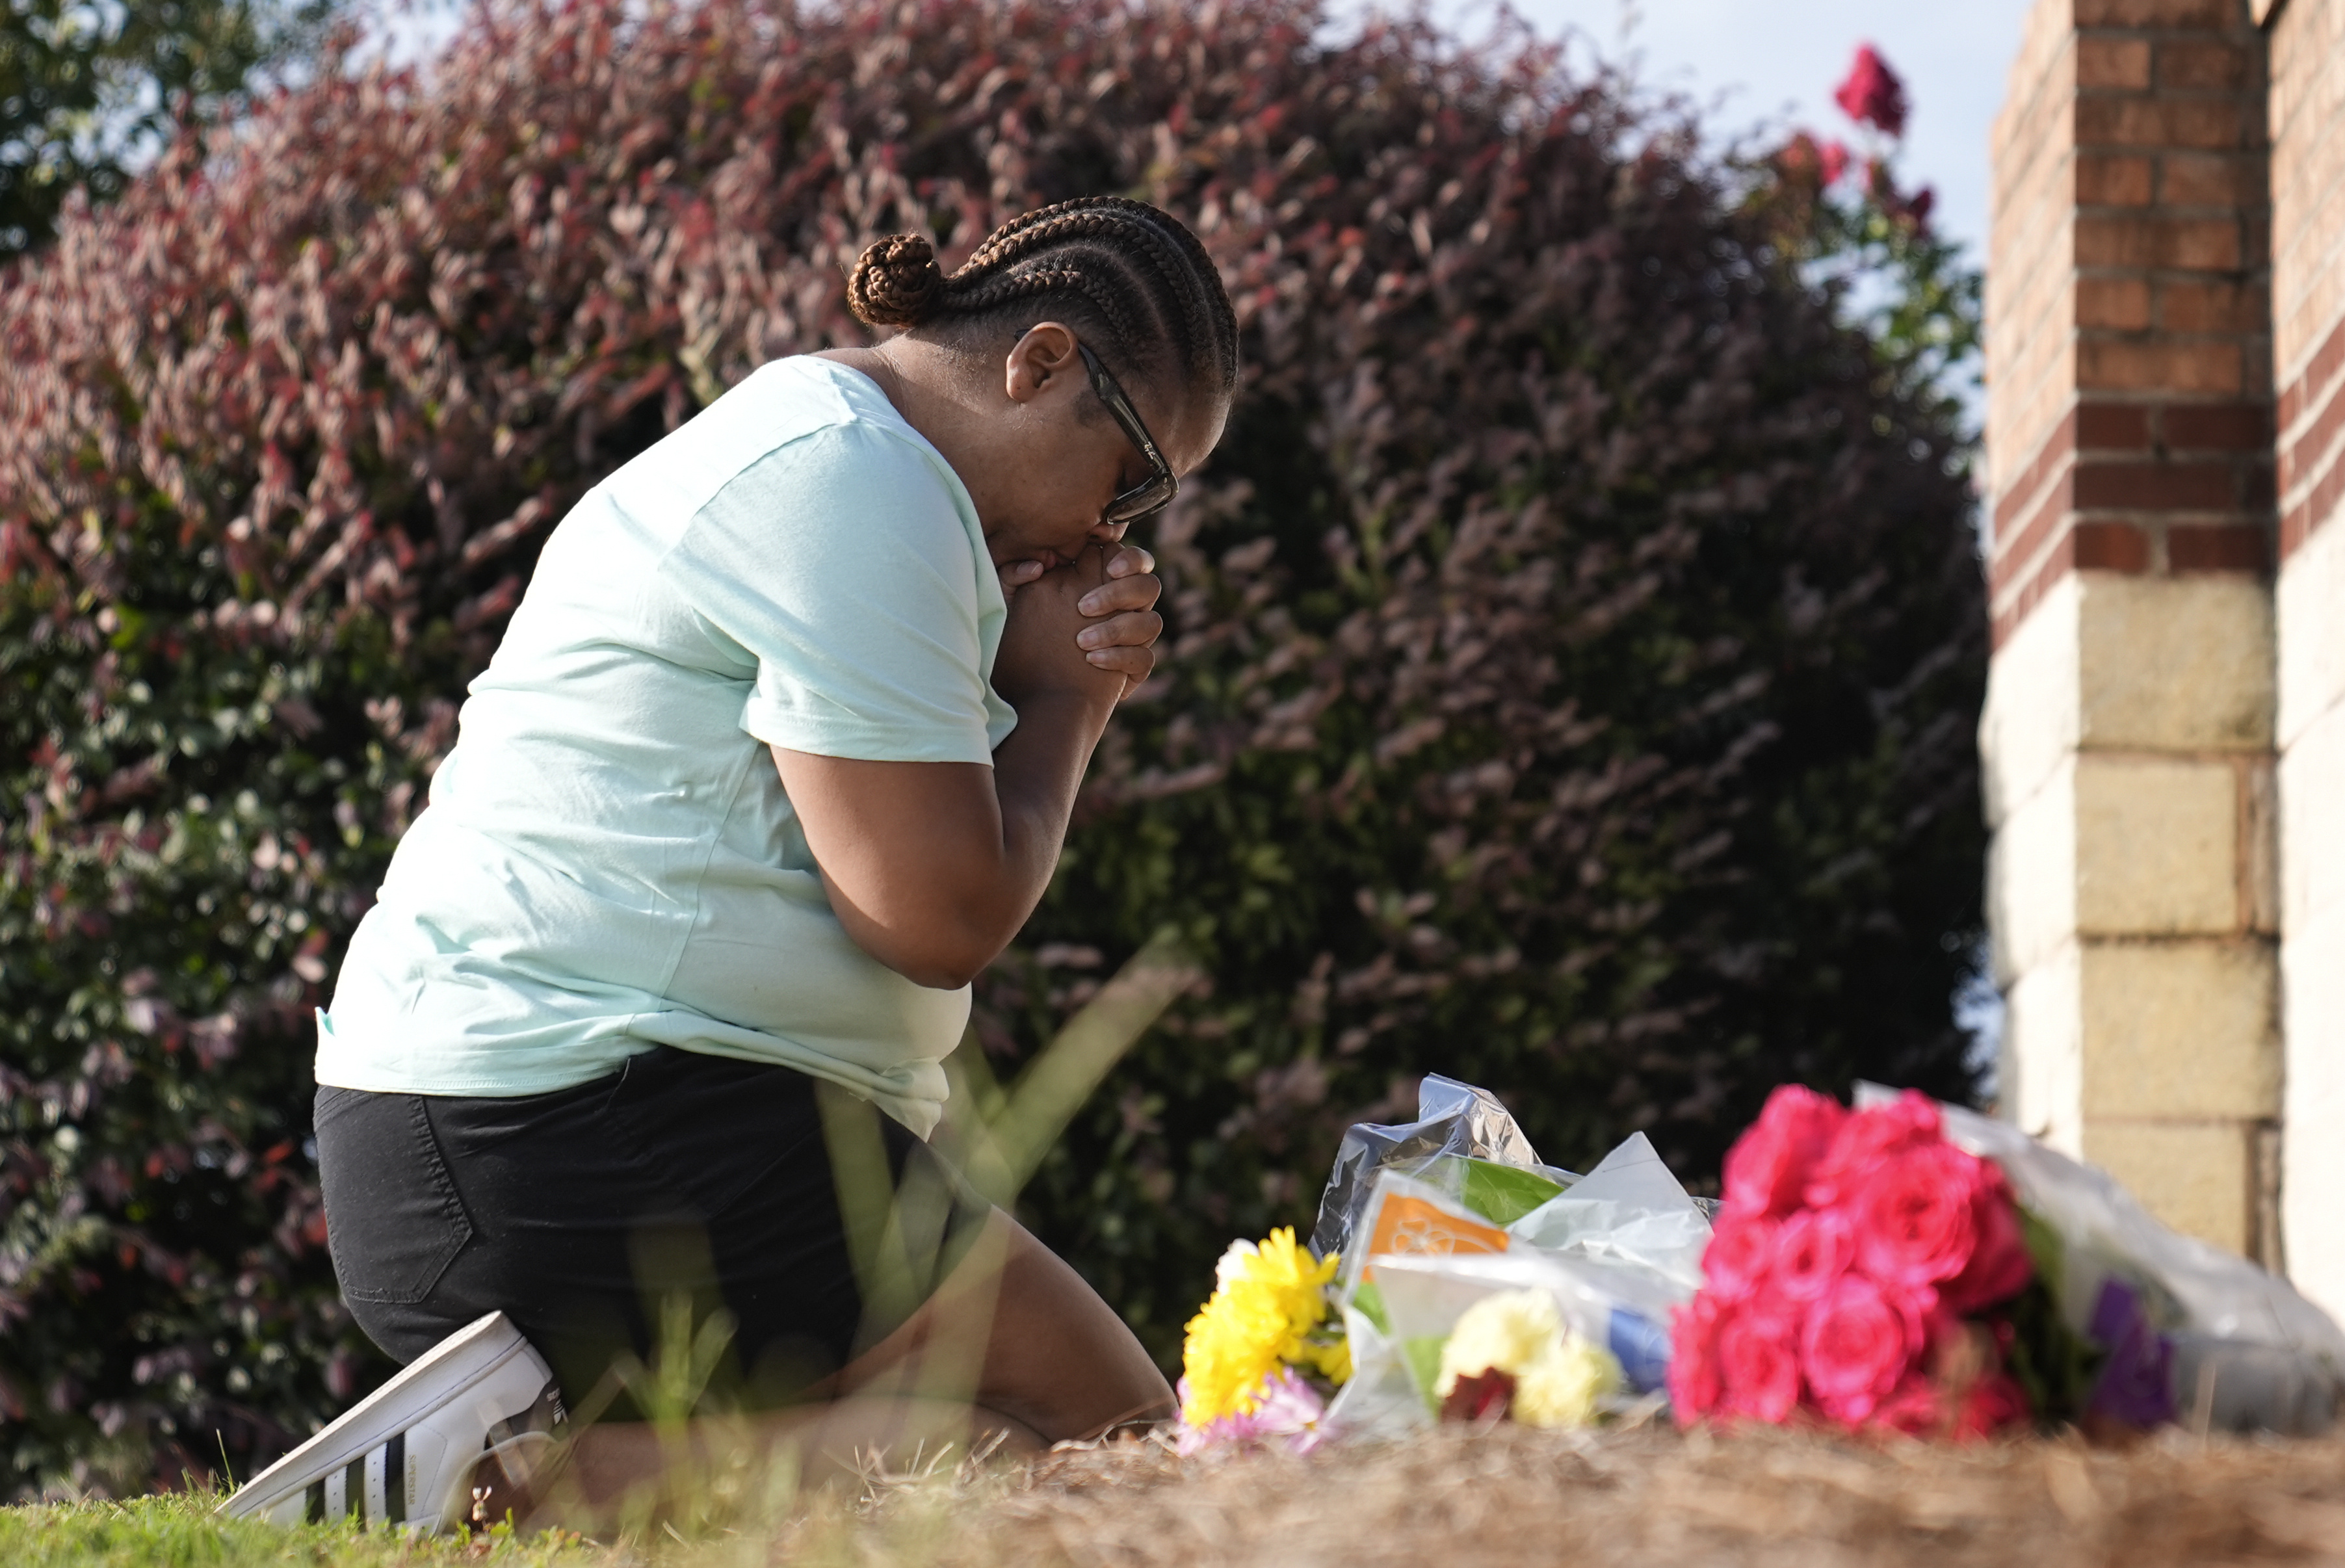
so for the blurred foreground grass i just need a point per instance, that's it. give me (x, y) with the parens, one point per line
(1457, 1496)
(182, 1531)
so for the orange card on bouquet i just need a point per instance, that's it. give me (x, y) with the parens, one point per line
(1409, 1226)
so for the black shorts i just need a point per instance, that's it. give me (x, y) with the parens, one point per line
(585, 1214)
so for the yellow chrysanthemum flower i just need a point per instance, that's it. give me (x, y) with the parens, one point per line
(1268, 1300)
(1333, 1358)
(1559, 1377)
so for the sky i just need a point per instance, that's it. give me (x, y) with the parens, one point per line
(1748, 62)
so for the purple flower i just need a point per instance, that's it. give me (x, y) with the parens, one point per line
(2137, 1384)
(1287, 1409)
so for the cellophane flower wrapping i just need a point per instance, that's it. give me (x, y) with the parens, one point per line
(1448, 1224)
(2154, 1326)
(1911, 1268)
(1296, 1344)
(1904, 1266)
(1456, 1123)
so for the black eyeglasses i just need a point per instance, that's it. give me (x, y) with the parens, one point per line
(1156, 492)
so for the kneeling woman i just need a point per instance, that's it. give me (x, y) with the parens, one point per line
(776, 755)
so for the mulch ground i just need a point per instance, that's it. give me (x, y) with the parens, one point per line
(1508, 1494)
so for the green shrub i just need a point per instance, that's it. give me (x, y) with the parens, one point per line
(87, 91)
(1574, 655)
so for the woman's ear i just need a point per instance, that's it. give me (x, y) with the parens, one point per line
(1042, 361)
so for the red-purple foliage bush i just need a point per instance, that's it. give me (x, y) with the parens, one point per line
(1574, 649)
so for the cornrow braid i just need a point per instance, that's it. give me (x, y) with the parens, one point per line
(1141, 288)
(1047, 282)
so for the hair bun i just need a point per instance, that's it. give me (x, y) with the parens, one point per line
(895, 283)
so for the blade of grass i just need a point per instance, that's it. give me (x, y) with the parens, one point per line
(1035, 1110)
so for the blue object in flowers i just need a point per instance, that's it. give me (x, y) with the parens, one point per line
(1640, 1346)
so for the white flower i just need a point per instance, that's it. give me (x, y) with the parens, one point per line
(1562, 1387)
(1508, 1330)
(1559, 1377)
(1231, 1267)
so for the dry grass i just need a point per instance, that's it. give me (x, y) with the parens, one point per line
(1509, 1495)
(1460, 1498)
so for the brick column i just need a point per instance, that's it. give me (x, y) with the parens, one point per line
(2308, 179)
(2127, 738)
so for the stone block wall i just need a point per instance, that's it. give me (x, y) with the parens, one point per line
(2133, 893)
(2306, 129)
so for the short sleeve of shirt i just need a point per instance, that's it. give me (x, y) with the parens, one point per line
(842, 562)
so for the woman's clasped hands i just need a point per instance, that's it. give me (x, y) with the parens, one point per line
(1086, 629)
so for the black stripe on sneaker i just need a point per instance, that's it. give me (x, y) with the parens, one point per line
(354, 1488)
(316, 1512)
(394, 1478)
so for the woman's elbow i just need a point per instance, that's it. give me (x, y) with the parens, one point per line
(940, 959)
(940, 972)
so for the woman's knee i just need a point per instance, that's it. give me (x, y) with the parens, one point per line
(1017, 1329)
(1061, 1358)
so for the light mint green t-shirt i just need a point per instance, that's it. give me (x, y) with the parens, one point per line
(609, 861)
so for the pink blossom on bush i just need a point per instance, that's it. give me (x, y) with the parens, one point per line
(1872, 94)
(1805, 158)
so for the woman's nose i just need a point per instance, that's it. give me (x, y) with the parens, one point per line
(1109, 532)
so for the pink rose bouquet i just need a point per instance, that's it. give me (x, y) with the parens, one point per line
(1862, 1274)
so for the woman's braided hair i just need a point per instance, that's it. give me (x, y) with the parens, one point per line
(1131, 277)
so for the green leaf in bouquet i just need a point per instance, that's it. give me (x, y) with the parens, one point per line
(2052, 1363)
(1503, 1194)
(2045, 1249)
(1423, 1354)
(1369, 1302)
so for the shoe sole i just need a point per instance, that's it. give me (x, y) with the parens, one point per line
(372, 1483)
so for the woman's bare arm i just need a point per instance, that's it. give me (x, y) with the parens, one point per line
(932, 867)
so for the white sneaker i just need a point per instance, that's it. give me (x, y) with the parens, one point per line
(411, 1452)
